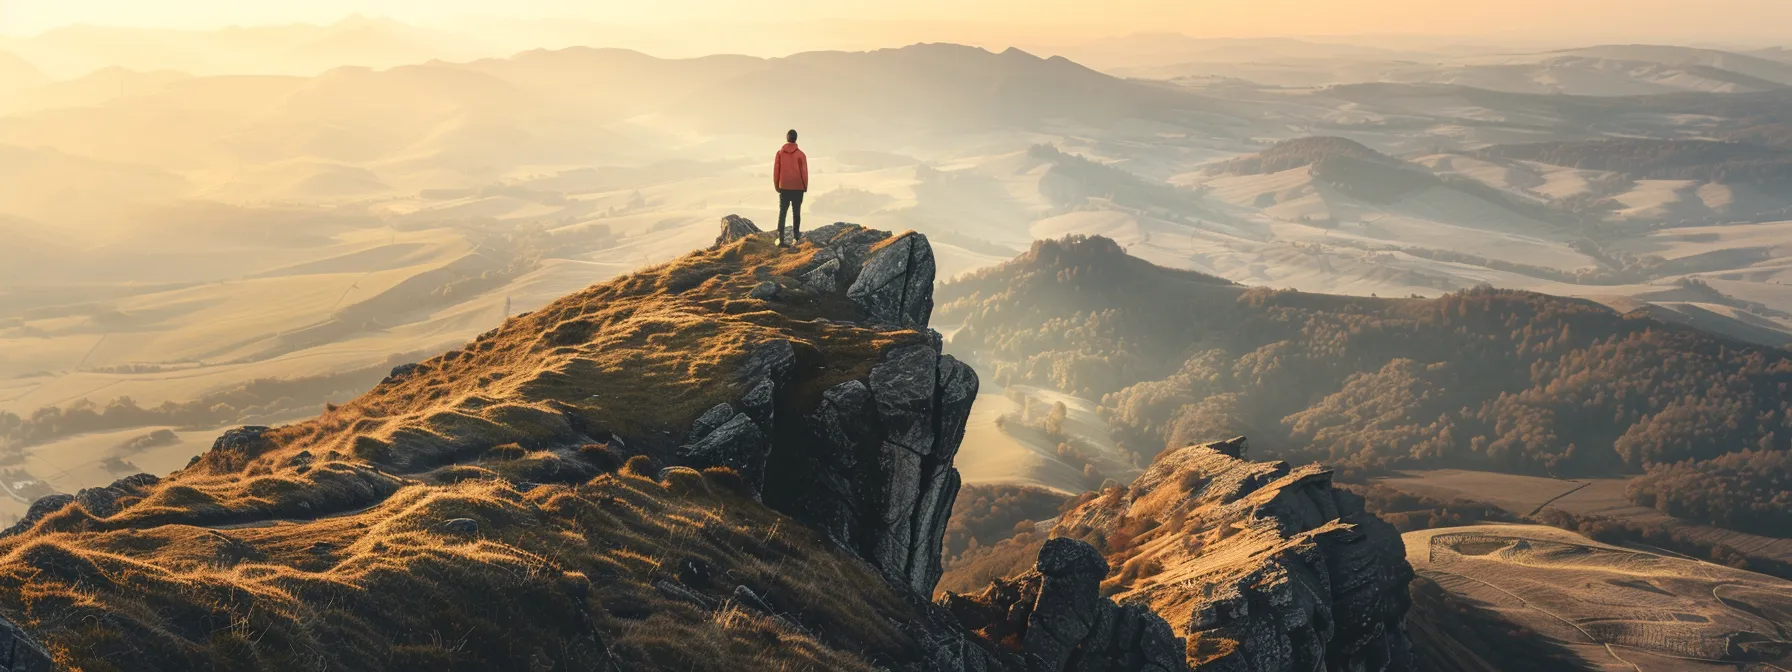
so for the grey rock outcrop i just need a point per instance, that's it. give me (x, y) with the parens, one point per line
(738, 444)
(742, 439)
(44, 506)
(764, 291)
(735, 227)
(896, 284)
(874, 468)
(869, 463)
(824, 278)
(1063, 623)
(921, 401)
(711, 419)
(20, 653)
(101, 502)
(849, 243)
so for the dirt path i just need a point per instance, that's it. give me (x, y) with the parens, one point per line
(1552, 500)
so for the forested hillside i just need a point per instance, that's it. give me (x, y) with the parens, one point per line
(1650, 159)
(1749, 491)
(1489, 379)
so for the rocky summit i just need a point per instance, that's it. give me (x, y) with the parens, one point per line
(1259, 565)
(738, 460)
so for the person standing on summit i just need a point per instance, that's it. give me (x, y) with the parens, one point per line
(790, 175)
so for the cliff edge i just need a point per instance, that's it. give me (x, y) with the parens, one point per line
(741, 459)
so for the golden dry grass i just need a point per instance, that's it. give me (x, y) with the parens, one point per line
(326, 544)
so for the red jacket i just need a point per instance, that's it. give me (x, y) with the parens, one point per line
(790, 169)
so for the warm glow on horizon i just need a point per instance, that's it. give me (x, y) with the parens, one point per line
(1758, 21)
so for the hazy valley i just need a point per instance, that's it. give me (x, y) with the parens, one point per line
(1539, 283)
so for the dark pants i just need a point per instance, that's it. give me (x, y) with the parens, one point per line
(786, 199)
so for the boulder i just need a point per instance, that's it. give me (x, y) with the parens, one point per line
(44, 506)
(400, 372)
(101, 502)
(771, 360)
(764, 291)
(236, 447)
(758, 403)
(824, 278)
(738, 444)
(903, 386)
(850, 244)
(104, 502)
(895, 286)
(715, 417)
(735, 227)
(460, 526)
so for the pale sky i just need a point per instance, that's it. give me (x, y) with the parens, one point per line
(1762, 21)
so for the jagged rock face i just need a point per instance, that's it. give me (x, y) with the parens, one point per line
(1262, 567)
(849, 243)
(870, 464)
(1062, 623)
(896, 284)
(825, 278)
(735, 227)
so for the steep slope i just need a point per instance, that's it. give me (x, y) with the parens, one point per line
(468, 513)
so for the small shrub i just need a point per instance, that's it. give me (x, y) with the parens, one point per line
(508, 451)
(642, 466)
(600, 455)
(727, 479)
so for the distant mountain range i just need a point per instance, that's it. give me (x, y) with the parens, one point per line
(297, 49)
(554, 107)
(1610, 70)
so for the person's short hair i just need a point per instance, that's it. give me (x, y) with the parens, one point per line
(791, 136)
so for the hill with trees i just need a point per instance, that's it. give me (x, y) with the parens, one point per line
(1488, 379)
(1747, 491)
